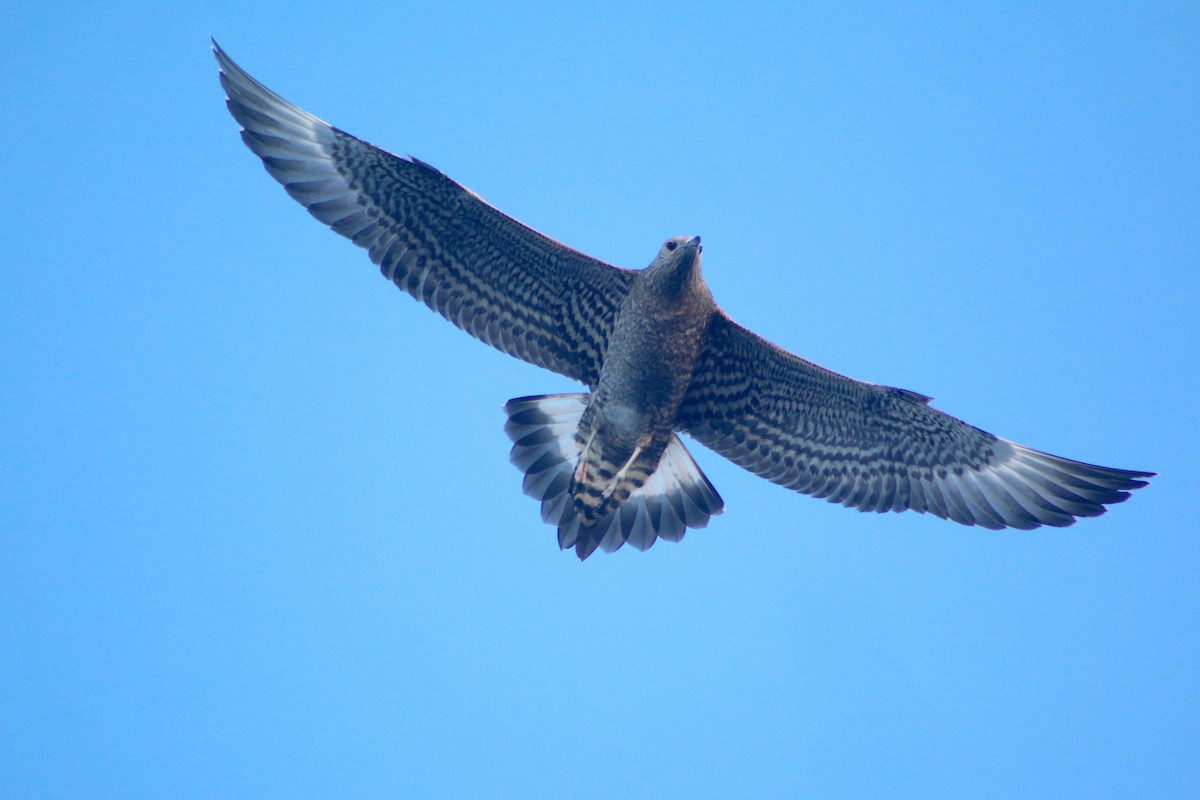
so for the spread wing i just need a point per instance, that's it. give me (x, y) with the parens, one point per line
(876, 448)
(500, 281)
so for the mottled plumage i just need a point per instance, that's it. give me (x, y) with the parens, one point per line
(658, 357)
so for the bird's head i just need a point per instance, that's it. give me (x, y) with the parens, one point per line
(677, 264)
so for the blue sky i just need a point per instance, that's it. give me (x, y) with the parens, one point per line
(260, 535)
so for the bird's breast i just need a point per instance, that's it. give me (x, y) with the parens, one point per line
(650, 357)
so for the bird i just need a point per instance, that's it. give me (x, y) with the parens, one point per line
(658, 358)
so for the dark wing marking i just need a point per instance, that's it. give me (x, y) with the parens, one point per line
(876, 448)
(500, 281)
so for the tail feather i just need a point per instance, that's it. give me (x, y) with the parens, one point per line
(675, 497)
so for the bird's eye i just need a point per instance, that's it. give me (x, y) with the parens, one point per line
(671, 245)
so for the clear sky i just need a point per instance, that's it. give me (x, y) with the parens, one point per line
(259, 536)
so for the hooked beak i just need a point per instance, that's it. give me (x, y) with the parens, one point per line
(691, 253)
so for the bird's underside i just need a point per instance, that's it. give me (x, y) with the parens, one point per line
(865, 446)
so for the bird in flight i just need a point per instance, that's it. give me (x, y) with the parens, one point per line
(658, 357)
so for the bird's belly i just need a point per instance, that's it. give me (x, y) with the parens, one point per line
(625, 421)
